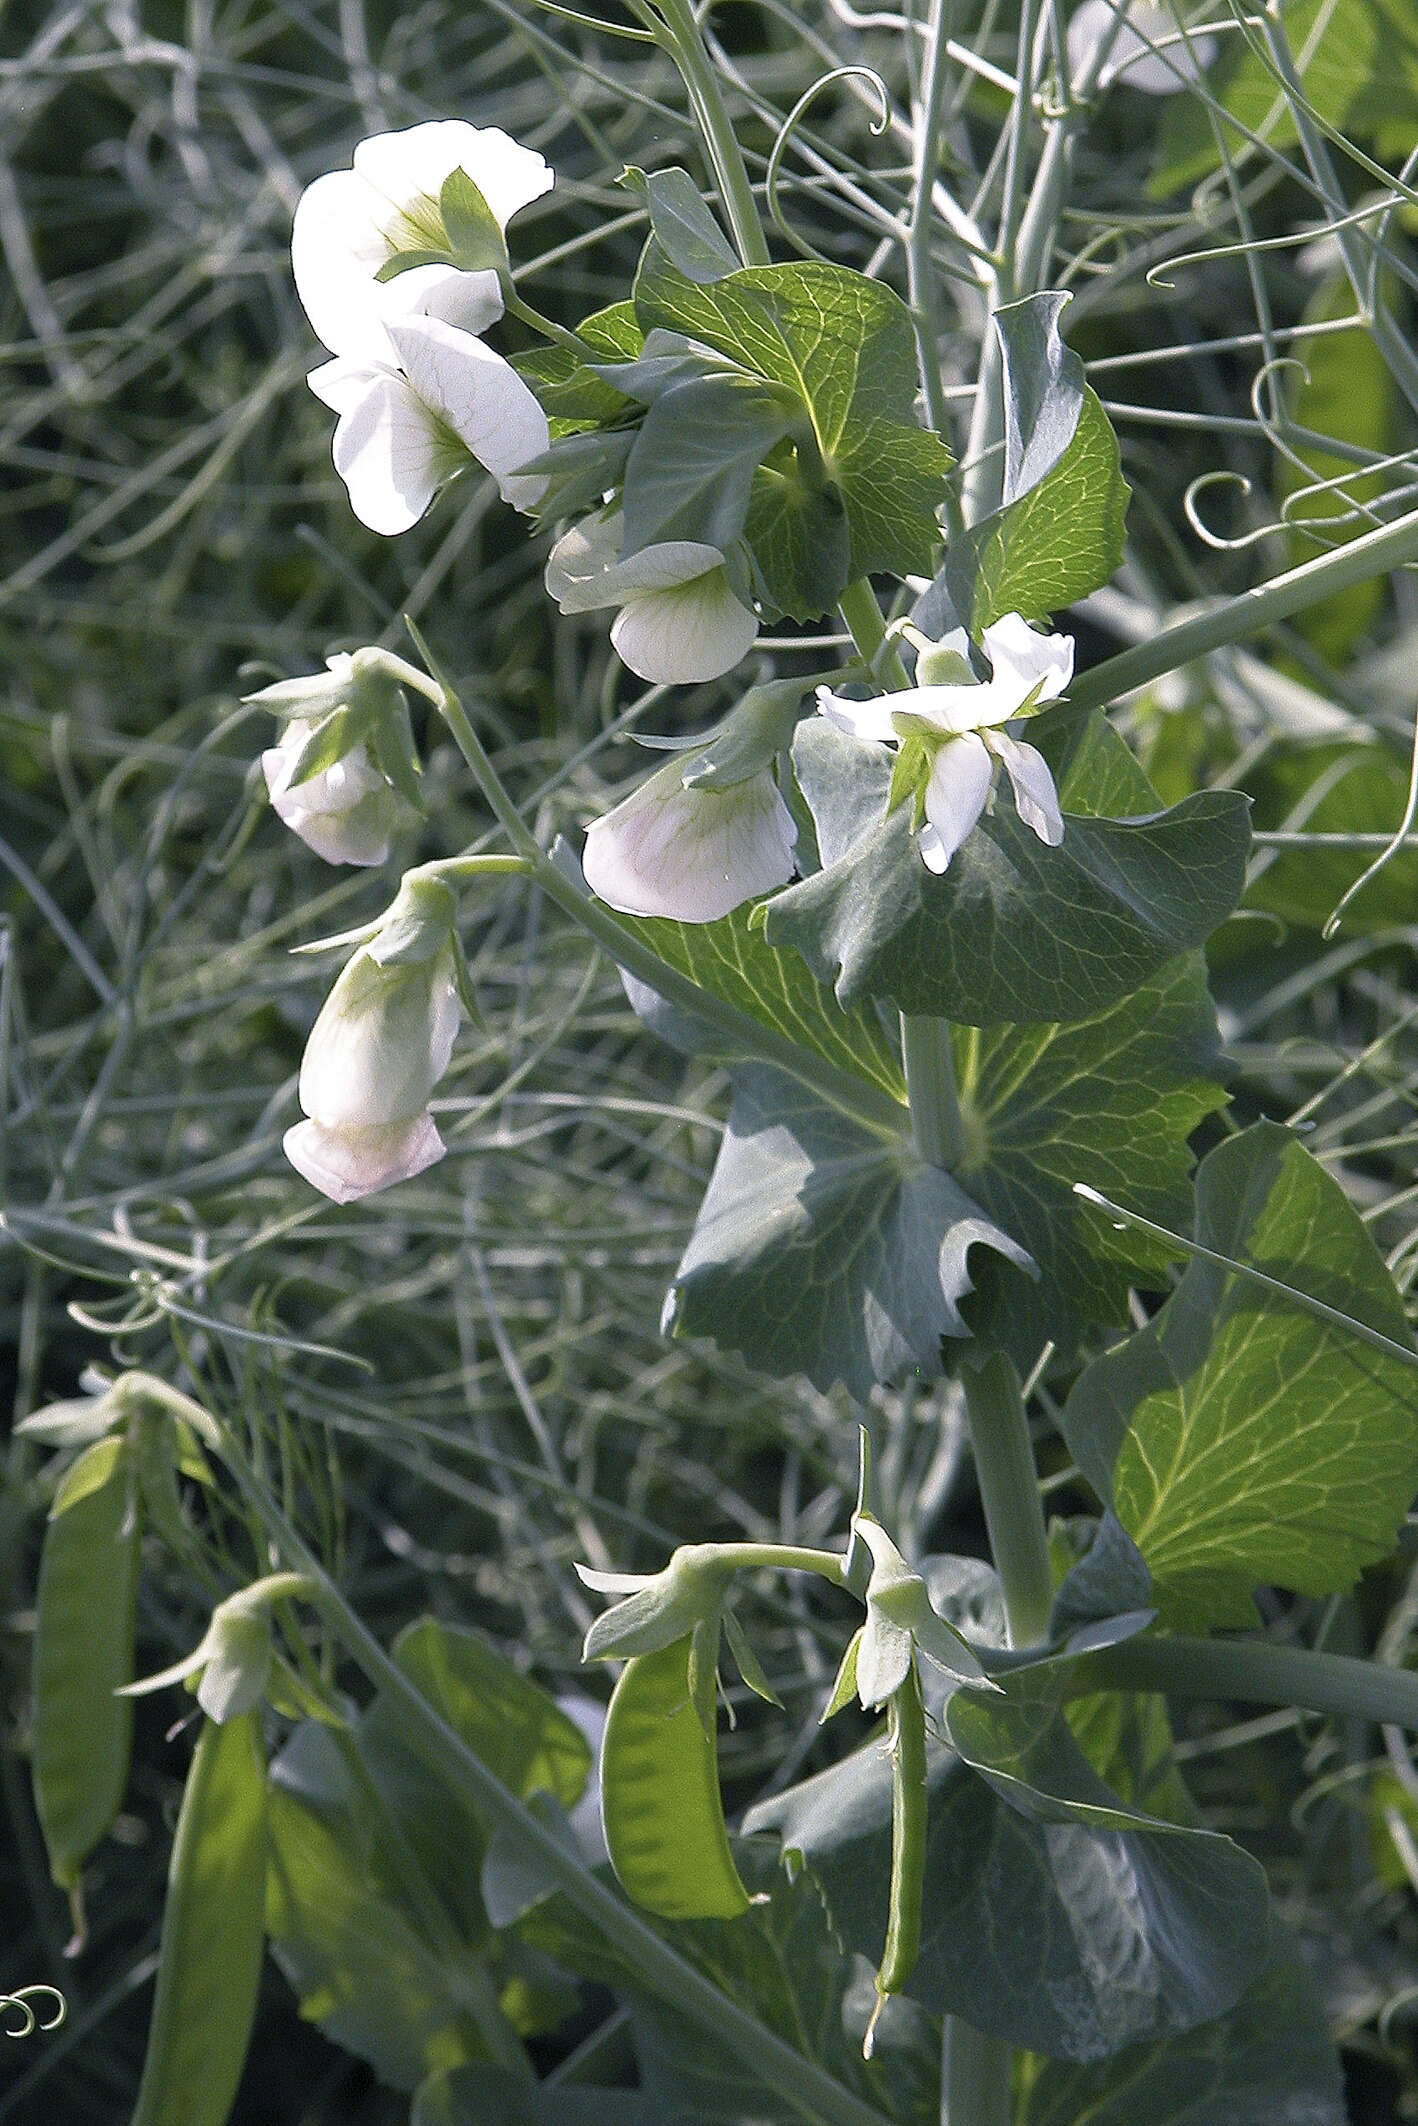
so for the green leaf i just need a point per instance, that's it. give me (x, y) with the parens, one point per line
(571, 391)
(1358, 65)
(736, 963)
(1043, 390)
(843, 345)
(691, 469)
(1240, 1438)
(1345, 389)
(1014, 930)
(1054, 543)
(799, 536)
(614, 331)
(823, 1249)
(341, 1928)
(1110, 1101)
(1066, 1935)
(684, 228)
(1268, 2062)
(489, 2096)
(580, 469)
(96, 1468)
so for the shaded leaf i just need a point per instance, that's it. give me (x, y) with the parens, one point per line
(824, 1249)
(684, 227)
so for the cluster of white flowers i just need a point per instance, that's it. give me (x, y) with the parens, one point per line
(418, 393)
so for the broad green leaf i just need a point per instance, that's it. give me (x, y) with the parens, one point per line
(692, 465)
(1055, 542)
(1268, 2062)
(342, 1929)
(844, 347)
(736, 963)
(1014, 930)
(614, 331)
(1344, 389)
(822, 1249)
(799, 536)
(1110, 1101)
(579, 468)
(517, 1729)
(1240, 1438)
(571, 391)
(684, 228)
(489, 2096)
(1109, 1580)
(1045, 1929)
(1358, 66)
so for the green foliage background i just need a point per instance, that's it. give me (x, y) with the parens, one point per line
(465, 1387)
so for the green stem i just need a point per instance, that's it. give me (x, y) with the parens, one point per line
(686, 47)
(806, 2086)
(1256, 1672)
(920, 274)
(862, 617)
(975, 2079)
(1235, 618)
(929, 1056)
(517, 306)
(1009, 1493)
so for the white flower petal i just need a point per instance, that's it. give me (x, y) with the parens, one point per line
(860, 719)
(691, 854)
(413, 165)
(343, 384)
(337, 246)
(470, 301)
(347, 1164)
(480, 397)
(381, 1043)
(695, 631)
(1035, 798)
(956, 795)
(390, 454)
(1022, 660)
(346, 813)
(884, 1655)
(585, 572)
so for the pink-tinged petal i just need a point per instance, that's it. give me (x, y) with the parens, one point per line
(1035, 798)
(956, 794)
(412, 166)
(1022, 660)
(678, 637)
(861, 719)
(346, 813)
(347, 1164)
(691, 854)
(480, 397)
(390, 455)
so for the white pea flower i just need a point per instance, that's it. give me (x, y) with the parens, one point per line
(382, 1041)
(691, 853)
(402, 431)
(346, 812)
(350, 223)
(956, 720)
(679, 620)
(1132, 59)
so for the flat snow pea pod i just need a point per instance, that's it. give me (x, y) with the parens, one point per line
(664, 1817)
(209, 1963)
(83, 1652)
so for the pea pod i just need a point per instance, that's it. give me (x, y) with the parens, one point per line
(83, 1653)
(664, 1817)
(209, 1963)
(906, 1732)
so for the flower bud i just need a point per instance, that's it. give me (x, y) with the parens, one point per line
(343, 775)
(381, 1043)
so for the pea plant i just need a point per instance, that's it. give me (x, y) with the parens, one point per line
(910, 889)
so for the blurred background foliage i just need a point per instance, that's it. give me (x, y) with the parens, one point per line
(462, 1389)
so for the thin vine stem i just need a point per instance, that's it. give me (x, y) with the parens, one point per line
(683, 42)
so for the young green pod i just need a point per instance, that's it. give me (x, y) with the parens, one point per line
(663, 1813)
(209, 1964)
(83, 1654)
(906, 1734)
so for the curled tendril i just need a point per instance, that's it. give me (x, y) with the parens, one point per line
(20, 2002)
(790, 125)
(1218, 542)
